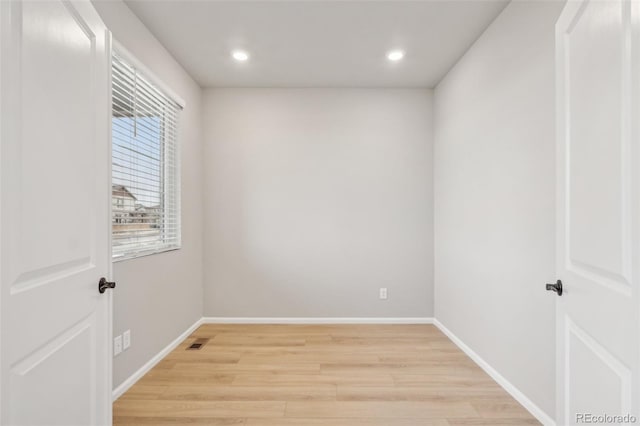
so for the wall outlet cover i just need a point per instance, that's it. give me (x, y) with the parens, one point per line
(126, 340)
(383, 293)
(117, 345)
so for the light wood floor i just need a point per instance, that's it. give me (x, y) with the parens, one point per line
(319, 375)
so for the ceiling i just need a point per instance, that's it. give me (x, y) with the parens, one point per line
(317, 43)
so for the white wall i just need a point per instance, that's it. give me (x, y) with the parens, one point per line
(316, 198)
(158, 297)
(494, 198)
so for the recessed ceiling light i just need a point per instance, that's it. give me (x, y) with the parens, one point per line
(395, 55)
(240, 55)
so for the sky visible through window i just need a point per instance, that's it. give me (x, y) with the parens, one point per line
(137, 157)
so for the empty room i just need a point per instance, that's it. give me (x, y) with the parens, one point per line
(319, 212)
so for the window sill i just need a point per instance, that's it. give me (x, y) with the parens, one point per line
(125, 257)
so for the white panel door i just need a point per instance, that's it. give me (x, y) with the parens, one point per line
(54, 214)
(598, 233)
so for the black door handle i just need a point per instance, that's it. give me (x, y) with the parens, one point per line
(557, 287)
(103, 285)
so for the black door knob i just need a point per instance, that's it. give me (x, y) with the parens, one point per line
(557, 287)
(103, 285)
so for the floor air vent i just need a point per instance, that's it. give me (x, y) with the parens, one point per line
(197, 345)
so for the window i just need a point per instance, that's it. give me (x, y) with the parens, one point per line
(145, 187)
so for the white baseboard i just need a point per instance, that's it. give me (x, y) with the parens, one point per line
(131, 380)
(499, 378)
(315, 320)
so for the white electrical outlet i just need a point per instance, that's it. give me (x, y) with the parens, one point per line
(383, 293)
(117, 345)
(126, 340)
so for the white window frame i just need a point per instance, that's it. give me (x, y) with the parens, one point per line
(123, 53)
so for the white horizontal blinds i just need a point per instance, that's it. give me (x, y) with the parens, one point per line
(145, 192)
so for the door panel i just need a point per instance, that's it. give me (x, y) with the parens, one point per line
(68, 77)
(590, 366)
(598, 174)
(598, 193)
(56, 362)
(45, 369)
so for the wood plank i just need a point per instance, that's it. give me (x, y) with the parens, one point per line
(169, 377)
(435, 393)
(324, 357)
(165, 421)
(198, 409)
(312, 380)
(493, 422)
(502, 408)
(433, 368)
(380, 409)
(144, 392)
(443, 380)
(214, 368)
(345, 422)
(247, 393)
